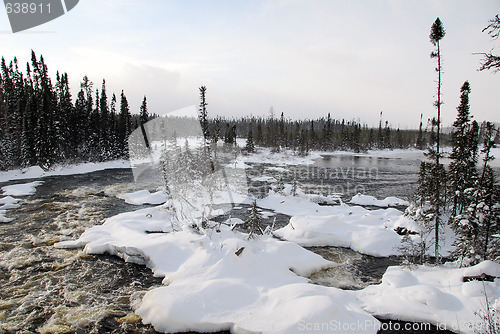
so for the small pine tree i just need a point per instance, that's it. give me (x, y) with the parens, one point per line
(250, 147)
(254, 223)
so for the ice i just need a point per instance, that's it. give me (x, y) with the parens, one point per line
(144, 197)
(22, 189)
(435, 294)
(360, 199)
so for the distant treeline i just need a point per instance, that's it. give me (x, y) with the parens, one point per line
(323, 134)
(40, 124)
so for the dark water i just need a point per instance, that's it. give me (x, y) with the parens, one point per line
(51, 290)
(346, 175)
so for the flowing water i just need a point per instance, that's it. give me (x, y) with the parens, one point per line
(49, 290)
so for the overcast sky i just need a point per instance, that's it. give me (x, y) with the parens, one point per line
(352, 58)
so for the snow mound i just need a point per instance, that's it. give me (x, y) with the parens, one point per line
(367, 232)
(221, 280)
(437, 295)
(144, 197)
(360, 199)
(23, 189)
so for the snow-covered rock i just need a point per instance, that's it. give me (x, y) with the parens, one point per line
(435, 294)
(144, 197)
(360, 199)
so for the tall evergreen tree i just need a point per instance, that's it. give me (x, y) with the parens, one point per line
(124, 124)
(420, 138)
(437, 33)
(250, 147)
(203, 114)
(143, 114)
(462, 168)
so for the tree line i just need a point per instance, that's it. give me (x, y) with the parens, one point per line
(465, 194)
(41, 125)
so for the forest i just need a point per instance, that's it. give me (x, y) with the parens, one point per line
(42, 124)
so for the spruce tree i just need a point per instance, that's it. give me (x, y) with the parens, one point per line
(462, 168)
(420, 138)
(437, 170)
(250, 147)
(477, 225)
(203, 115)
(144, 115)
(254, 223)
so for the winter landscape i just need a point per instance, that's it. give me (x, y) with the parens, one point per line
(190, 221)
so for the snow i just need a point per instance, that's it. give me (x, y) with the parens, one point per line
(208, 287)
(434, 294)
(268, 179)
(22, 189)
(367, 232)
(8, 202)
(284, 157)
(83, 168)
(360, 199)
(144, 197)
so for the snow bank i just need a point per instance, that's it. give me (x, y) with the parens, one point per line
(37, 172)
(22, 189)
(144, 197)
(435, 294)
(360, 199)
(221, 280)
(368, 232)
(8, 202)
(284, 157)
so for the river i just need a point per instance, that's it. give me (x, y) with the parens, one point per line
(49, 290)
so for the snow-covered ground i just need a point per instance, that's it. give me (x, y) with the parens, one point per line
(144, 197)
(360, 199)
(437, 295)
(83, 168)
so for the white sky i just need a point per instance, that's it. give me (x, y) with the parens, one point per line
(352, 58)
